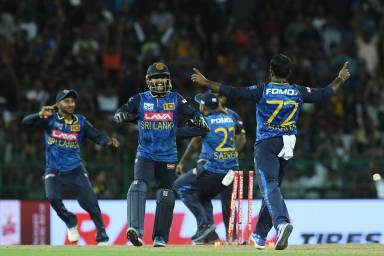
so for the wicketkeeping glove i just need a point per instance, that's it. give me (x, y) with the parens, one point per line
(120, 117)
(198, 121)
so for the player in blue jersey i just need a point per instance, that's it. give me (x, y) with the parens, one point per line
(197, 187)
(195, 145)
(278, 104)
(64, 133)
(156, 112)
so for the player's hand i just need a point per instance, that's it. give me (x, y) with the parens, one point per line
(199, 78)
(113, 142)
(47, 111)
(344, 72)
(198, 121)
(179, 168)
(120, 117)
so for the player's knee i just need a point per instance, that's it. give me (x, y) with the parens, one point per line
(177, 184)
(138, 186)
(181, 188)
(165, 196)
(177, 192)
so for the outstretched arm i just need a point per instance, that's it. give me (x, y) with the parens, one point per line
(252, 93)
(98, 137)
(321, 94)
(200, 79)
(194, 146)
(240, 141)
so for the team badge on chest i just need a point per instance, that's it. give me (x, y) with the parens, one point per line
(168, 106)
(75, 128)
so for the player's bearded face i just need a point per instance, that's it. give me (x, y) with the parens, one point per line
(67, 105)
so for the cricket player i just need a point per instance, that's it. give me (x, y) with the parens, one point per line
(64, 133)
(195, 145)
(218, 156)
(278, 104)
(156, 112)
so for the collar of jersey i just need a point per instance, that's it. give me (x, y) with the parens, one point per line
(158, 97)
(75, 120)
(286, 83)
(215, 113)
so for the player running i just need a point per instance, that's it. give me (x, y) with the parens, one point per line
(277, 110)
(157, 112)
(64, 133)
(195, 145)
(218, 156)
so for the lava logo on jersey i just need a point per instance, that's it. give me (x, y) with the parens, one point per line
(168, 106)
(158, 117)
(64, 135)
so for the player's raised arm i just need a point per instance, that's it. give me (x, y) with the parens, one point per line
(341, 78)
(200, 79)
(193, 146)
(252, 93)
(40, 119)
(321, 94)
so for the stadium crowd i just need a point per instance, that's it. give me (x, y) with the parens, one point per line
(102, 49)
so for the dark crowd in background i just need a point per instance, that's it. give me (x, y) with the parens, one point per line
(103, 48)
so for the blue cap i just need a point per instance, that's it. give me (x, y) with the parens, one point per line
(207, 99)
(158, 68)
(66, 93)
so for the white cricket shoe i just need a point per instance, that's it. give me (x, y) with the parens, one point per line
(105, 243)
(73, 234)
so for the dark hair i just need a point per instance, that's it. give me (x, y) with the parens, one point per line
(281, 65)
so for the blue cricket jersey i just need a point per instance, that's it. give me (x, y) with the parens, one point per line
(63, 139)
(218, 145)
(157, 119)
(277, 105)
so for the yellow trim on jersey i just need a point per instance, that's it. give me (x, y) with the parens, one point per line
(74, 119)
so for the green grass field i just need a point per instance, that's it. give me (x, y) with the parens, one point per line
(356, 249)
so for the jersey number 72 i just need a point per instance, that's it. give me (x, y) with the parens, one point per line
(280, 104)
